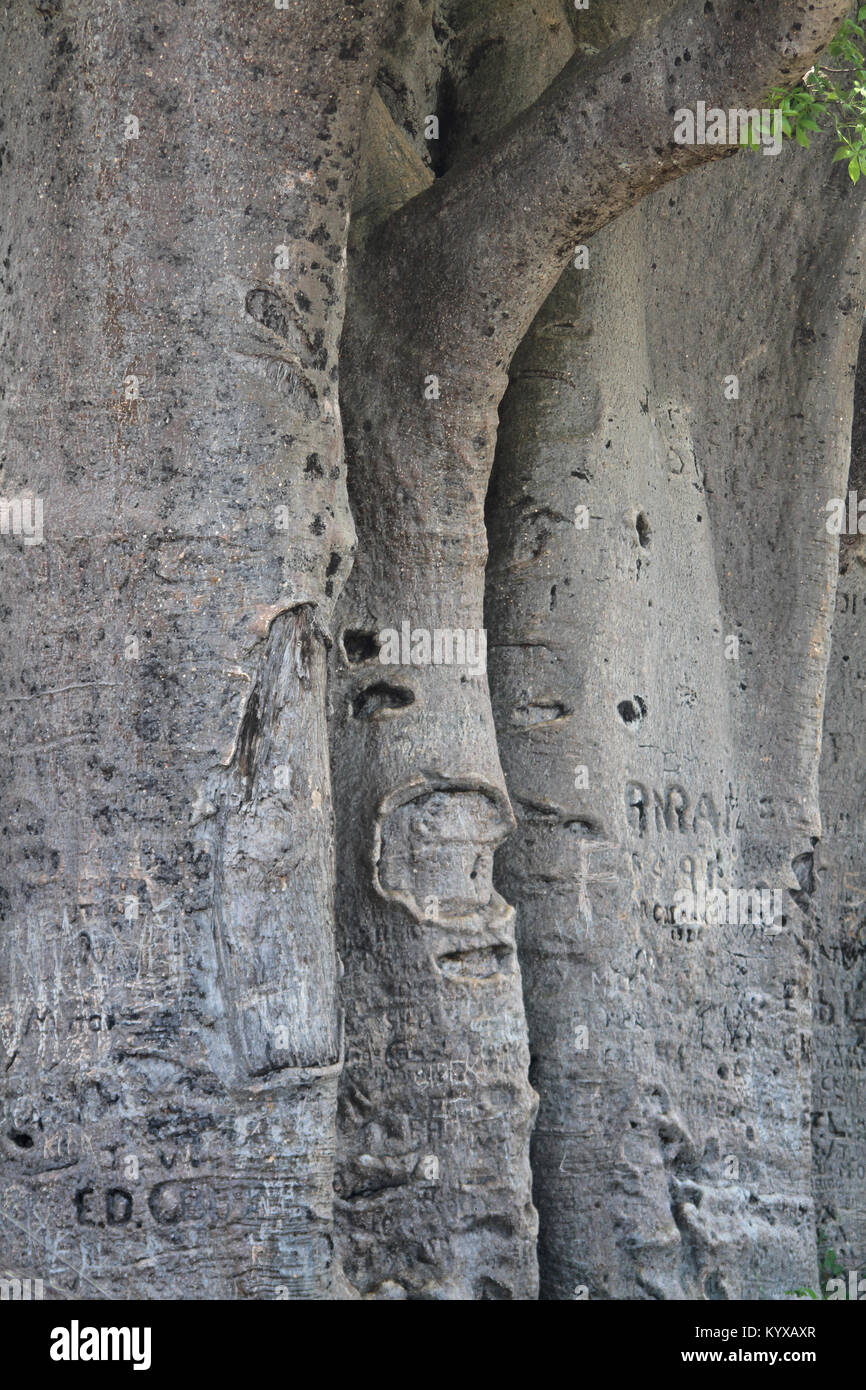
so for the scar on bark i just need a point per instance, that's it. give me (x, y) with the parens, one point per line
(477, 963)
(434, 850)
(381, 698)
(283, 353)
(546, 814)
(543, 710)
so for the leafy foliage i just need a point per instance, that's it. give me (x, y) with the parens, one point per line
(831, 96)
(830, 1269)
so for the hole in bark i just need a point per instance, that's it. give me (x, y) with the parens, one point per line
(360, 646)
(478, 964)
(22, 1140)
(803, 866)
(804, 871)
(644, 530)
(631, 713)
(539, 712)
(381, 696)
(584, 827)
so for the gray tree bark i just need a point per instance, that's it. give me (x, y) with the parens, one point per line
(838, 892)
(194, 956)
(672, 1155)
(415, 750)
(177, 187)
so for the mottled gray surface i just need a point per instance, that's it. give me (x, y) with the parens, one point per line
(266, 1040)
(837, 884)
(169, 1016)
(671, 1155)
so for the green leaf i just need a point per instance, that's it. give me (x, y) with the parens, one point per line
(824, 100)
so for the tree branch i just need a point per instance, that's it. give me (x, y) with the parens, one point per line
(469, 261)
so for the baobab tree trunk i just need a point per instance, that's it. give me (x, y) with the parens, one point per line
(177, 184)
(838, 889)
(434, 1179)
(435, 1104)
(658, 676)
(170, 1014)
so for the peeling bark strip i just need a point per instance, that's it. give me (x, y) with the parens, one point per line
(285, 670)
(273, 856)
